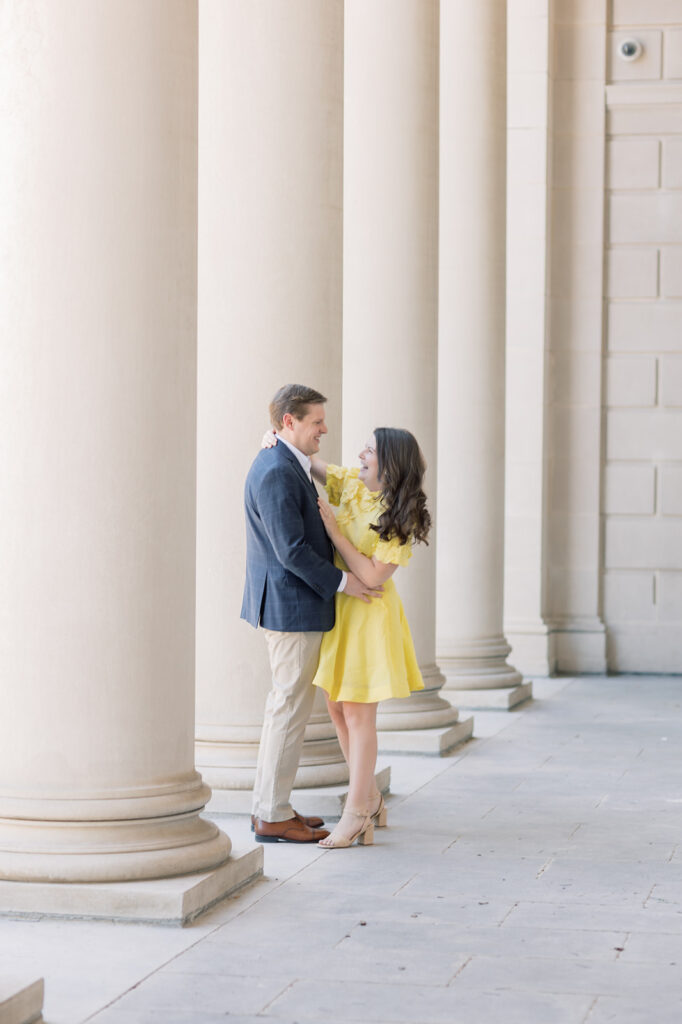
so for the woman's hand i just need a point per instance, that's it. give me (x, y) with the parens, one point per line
(328, 520)
(269, 439)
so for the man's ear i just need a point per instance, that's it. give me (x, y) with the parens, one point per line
(287, 420)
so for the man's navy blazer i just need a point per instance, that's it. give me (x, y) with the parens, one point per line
(290, 576)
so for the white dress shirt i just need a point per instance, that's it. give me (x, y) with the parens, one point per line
(306, 463)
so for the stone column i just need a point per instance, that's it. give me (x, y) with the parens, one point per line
(270, 263)
(471, 647)
(528, 370)
(97, 447)
(390, 289)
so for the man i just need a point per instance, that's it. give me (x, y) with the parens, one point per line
(290, 585)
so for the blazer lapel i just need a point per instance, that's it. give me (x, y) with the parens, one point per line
(299, 468)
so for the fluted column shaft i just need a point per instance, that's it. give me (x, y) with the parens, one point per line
(390, 275)
(97, 444)
(471, 648)
(270, 251)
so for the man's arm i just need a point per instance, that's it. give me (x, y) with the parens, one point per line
(356, 588)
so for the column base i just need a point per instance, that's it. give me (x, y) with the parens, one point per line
(21, 1001)
(434, 742)
(34, 851)
(227, 755)
(327, 802)
(534, 646)
(502, 699)
(477, 665)
(424, 709)
(173, 901)
(580, 645)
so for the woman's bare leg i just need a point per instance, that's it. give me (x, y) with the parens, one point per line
(360, 723)
(335, 709)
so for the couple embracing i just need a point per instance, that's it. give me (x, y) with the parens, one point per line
(320, 588)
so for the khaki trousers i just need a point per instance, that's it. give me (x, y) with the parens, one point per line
(293, 661)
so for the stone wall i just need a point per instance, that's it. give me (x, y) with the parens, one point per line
(642, 500)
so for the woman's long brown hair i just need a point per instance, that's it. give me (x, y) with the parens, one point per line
(401, 474)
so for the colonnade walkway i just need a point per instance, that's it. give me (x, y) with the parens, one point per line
(533, 877)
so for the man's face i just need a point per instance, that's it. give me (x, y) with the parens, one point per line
(305, 434)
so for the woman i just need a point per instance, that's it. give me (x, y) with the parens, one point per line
(369, 655)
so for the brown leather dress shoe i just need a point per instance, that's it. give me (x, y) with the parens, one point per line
(311, 821)
(291, 831)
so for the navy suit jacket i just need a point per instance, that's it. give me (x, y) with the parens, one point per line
(290, 576)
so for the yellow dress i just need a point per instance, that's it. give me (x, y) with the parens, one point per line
(368, 656)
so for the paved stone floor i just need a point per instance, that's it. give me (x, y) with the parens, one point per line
(534, 877)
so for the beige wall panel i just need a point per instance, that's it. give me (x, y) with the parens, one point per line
(670, 385)
(671, 271)
(632, 273)
(645, 327)
(643, 336)
(672, 163)
(629, 597)
(646, 12)
(633, 163)
(653, 218)
(640, 434)
(643, 543)
(631, 380)
(645, 120)
(669, 597)
(629, 489)
(672, 53)
(645, 648)
(670, 490)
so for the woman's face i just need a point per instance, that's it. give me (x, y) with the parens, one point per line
(369, 465)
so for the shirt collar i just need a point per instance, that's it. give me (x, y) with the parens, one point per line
(303, 459)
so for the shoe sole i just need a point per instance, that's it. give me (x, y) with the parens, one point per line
(282, 839)
(297, 840)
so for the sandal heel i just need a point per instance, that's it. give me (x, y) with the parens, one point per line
(366, 837)
(380, 817)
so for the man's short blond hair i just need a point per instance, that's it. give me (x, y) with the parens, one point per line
(293, 399)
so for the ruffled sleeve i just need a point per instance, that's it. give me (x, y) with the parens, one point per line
(337, 477)
(392, 552)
